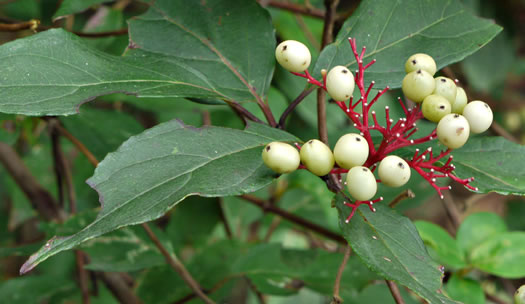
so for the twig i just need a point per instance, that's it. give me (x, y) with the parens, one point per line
(83, 276)
(452, 211)
(215, 287)
(293, 105)
(295, 8)
(119, 288)
(264, 205)
(224, 219)
(40, 198)
(395, 292)
(336, 299)
(20, 26)
(499, 130)
(258, 294)
(174, 262)
(329, 19)
(401, 196)
(123, 31)
(80, 146)
(242, 111)
(62, 169)
(494, 299)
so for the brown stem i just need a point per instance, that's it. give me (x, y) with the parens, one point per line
(83, 276)
(63, 174)
(499, 130)
(215, 287)
(243, 112)
(329, 19)
(452, 210)
(123, 31)
(174, 262)
(395, 292)
(267, 207)
(494, 299)
(401, 196)
(293, 105)
(295, 8)
(80, 146)
(224, 219)
(119, 288)
(336, 299)
(321, 116)
(40, 198)
(14, 27)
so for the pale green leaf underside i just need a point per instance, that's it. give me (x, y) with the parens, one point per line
(394, 30)
(171, 55)
(390, 245)
(155, 170)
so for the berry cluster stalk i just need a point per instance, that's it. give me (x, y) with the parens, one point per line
(395, 135)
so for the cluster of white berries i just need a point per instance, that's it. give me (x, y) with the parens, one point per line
(350, 152)
(444, 103)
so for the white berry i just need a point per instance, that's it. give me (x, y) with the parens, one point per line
(280, 157)
(421, 61)
(435, 107)
(394, 171)
(479, 116)
(417, 85)
(446, 88)
(351, 150)
(460, 102)
(361, 183)
(453, 131)
(317, 157)
(293, 56)
(519, 295)
(340, 83)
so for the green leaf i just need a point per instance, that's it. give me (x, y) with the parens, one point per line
(497, 165)
(70, 7)
(502, 255)
(153, 171)
(479, 227)
(465, 290)
(442, 244)
(389, 244)
(379, 293)
(101, 131)
(34, 289)
(178, 49)
(394, 30)
(274, 270)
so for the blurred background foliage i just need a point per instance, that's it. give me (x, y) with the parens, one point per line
(259, 252)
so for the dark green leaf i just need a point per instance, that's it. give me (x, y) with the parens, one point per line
(394, 30)
(465, 290)
(390, 245)
(70, 7)
(192, 222)
(379, 293)
(33, 289)
(179, 49)
(273, 269)
(497, 165)
(479, 227)
(101, 131)
(442, 244)
(153, 171)
(502, 255)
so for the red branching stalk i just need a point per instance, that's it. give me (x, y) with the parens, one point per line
(395, 135)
